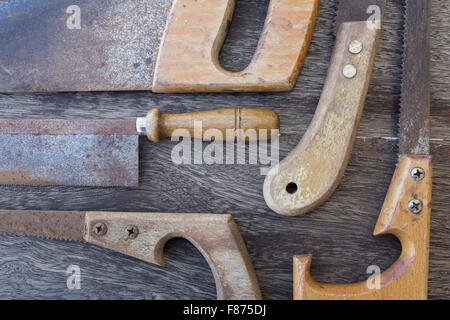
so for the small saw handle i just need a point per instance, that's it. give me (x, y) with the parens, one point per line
(223, 124)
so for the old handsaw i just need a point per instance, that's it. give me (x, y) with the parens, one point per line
(312, 171)
(164, 45)
(144, 235)
(406, 209)
(106, 152)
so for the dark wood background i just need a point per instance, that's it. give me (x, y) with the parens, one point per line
(338, 234)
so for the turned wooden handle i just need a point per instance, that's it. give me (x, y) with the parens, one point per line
(188, 59)
(313, 170)
(216, 236)
(241, 124)
(407, 278)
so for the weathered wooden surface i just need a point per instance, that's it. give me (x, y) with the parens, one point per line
(338, 234)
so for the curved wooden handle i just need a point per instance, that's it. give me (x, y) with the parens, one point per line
(188, 59)
(313, 170)
(407, 278)
(215, 236)
(223, 124)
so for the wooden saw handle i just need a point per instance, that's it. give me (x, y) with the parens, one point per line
(241, 124)
(188, 59)
(216, 236)
(407, 278)
(313, 170)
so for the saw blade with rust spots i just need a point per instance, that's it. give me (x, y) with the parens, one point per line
(105, 153)
(69, 153)
(358, 10)
(69, 226)
(414, 121)
(115, 48)
(143, 235)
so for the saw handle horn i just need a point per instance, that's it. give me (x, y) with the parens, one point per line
(222, 124)
(406, 215)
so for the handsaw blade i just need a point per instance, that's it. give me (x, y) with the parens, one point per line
(414, 121)
(115, 49)
(69, 153)
(44, 224)
(358, 10)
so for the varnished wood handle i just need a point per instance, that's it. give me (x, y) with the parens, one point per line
(313, 170)
(188, 59)
(222, 124)
(407, 278)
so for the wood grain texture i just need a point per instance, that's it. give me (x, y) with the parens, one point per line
(188, 57)
(311, 172)
(338, 234)
(407, 278)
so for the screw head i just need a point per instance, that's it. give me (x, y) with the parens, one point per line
(418, 174)
(415, 206)
(355, 47)
(132, 232)
(99, 229)
(349, 71)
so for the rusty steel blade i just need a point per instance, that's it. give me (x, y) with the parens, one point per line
(358, 10)
(116, 47)
(69, 153)
(45, 224)
(414, 122)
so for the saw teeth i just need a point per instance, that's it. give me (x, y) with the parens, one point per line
(36, 236)
(404, 36)
(335, 7)
(19, 187)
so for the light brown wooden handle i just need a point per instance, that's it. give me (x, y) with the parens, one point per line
(188, 59)
(216, 236)
(407, 278)
(313, 170)
(222, 124)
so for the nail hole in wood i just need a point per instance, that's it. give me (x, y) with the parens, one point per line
(291, 188)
